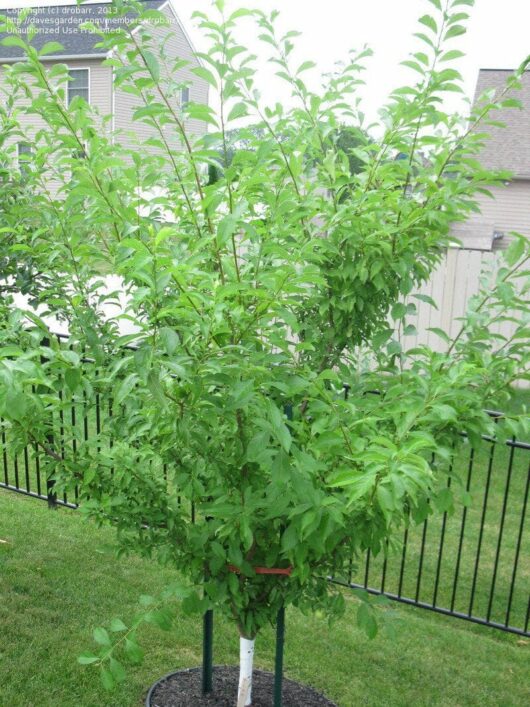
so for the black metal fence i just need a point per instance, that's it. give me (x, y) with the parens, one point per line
(473, 563)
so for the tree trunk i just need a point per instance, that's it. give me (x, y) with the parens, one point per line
(246, 660)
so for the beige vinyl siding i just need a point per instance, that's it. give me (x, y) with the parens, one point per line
(100, 78)
(130, 133)
(508, 210)
(451, 286)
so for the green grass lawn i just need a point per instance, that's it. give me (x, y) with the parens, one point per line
(58, 581)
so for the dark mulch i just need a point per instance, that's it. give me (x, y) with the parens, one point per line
(184, 689)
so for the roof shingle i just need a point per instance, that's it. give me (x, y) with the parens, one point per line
(60, 23)
(507, 148)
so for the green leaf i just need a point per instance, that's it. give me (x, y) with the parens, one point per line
(51, 48)
(366, 620)
(399, 310)
(13, 41)
(441, 333)
(305, 66)
(203, 73)
(445, 412)
(197, 111)
(238, 111)
(107, 679)
(101, 636)
(117, 625)
(290, 538)
(427, 299)
(72, 377)
(87, 658)
(16, 404)
(511, 103)
(152, 64)
(452, 54)
(170, 340)
(515, 251)
(454, 31)
(226, 229)
(429, 22)
(164, 233)
(117, 670)
(414, 66)
(161, 618)
(133, 651)
(125, 388)
(10, 351)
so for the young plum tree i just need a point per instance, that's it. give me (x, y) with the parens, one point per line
(249, 301)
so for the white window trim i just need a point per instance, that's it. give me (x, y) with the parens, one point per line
(79, 68)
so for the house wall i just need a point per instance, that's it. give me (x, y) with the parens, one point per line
(100, 94)
(131, 133)
(100, 90)
(509, 210)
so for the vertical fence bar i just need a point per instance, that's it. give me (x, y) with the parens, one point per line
(383, 573)
(207, 652)
(37, 469)
(403, 560)
(15, 467)
(481, 531)
(278, 659)
(462, 530)
(367, 568)
(73, 419)
(4, 454)
(61, 434)
(441, 549)
(26, 469)
(501, 530)
(420, 562)
(98, 420)
(518, 547)
(50, 483)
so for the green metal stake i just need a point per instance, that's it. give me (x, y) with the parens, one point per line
(207, 653)
(280, 626)
(278, 660)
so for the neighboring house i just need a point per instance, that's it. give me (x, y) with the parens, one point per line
(508, 149)
(93, 81)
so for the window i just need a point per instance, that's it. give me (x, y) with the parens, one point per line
(78, 85)
(24, 156)
(184, 97)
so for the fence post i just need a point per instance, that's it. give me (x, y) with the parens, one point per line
(280, 625)
(207, 652)
(278, 659)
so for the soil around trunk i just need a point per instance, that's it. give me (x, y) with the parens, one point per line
(184, 689)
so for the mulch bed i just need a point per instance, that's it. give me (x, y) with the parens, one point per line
(184, 689)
